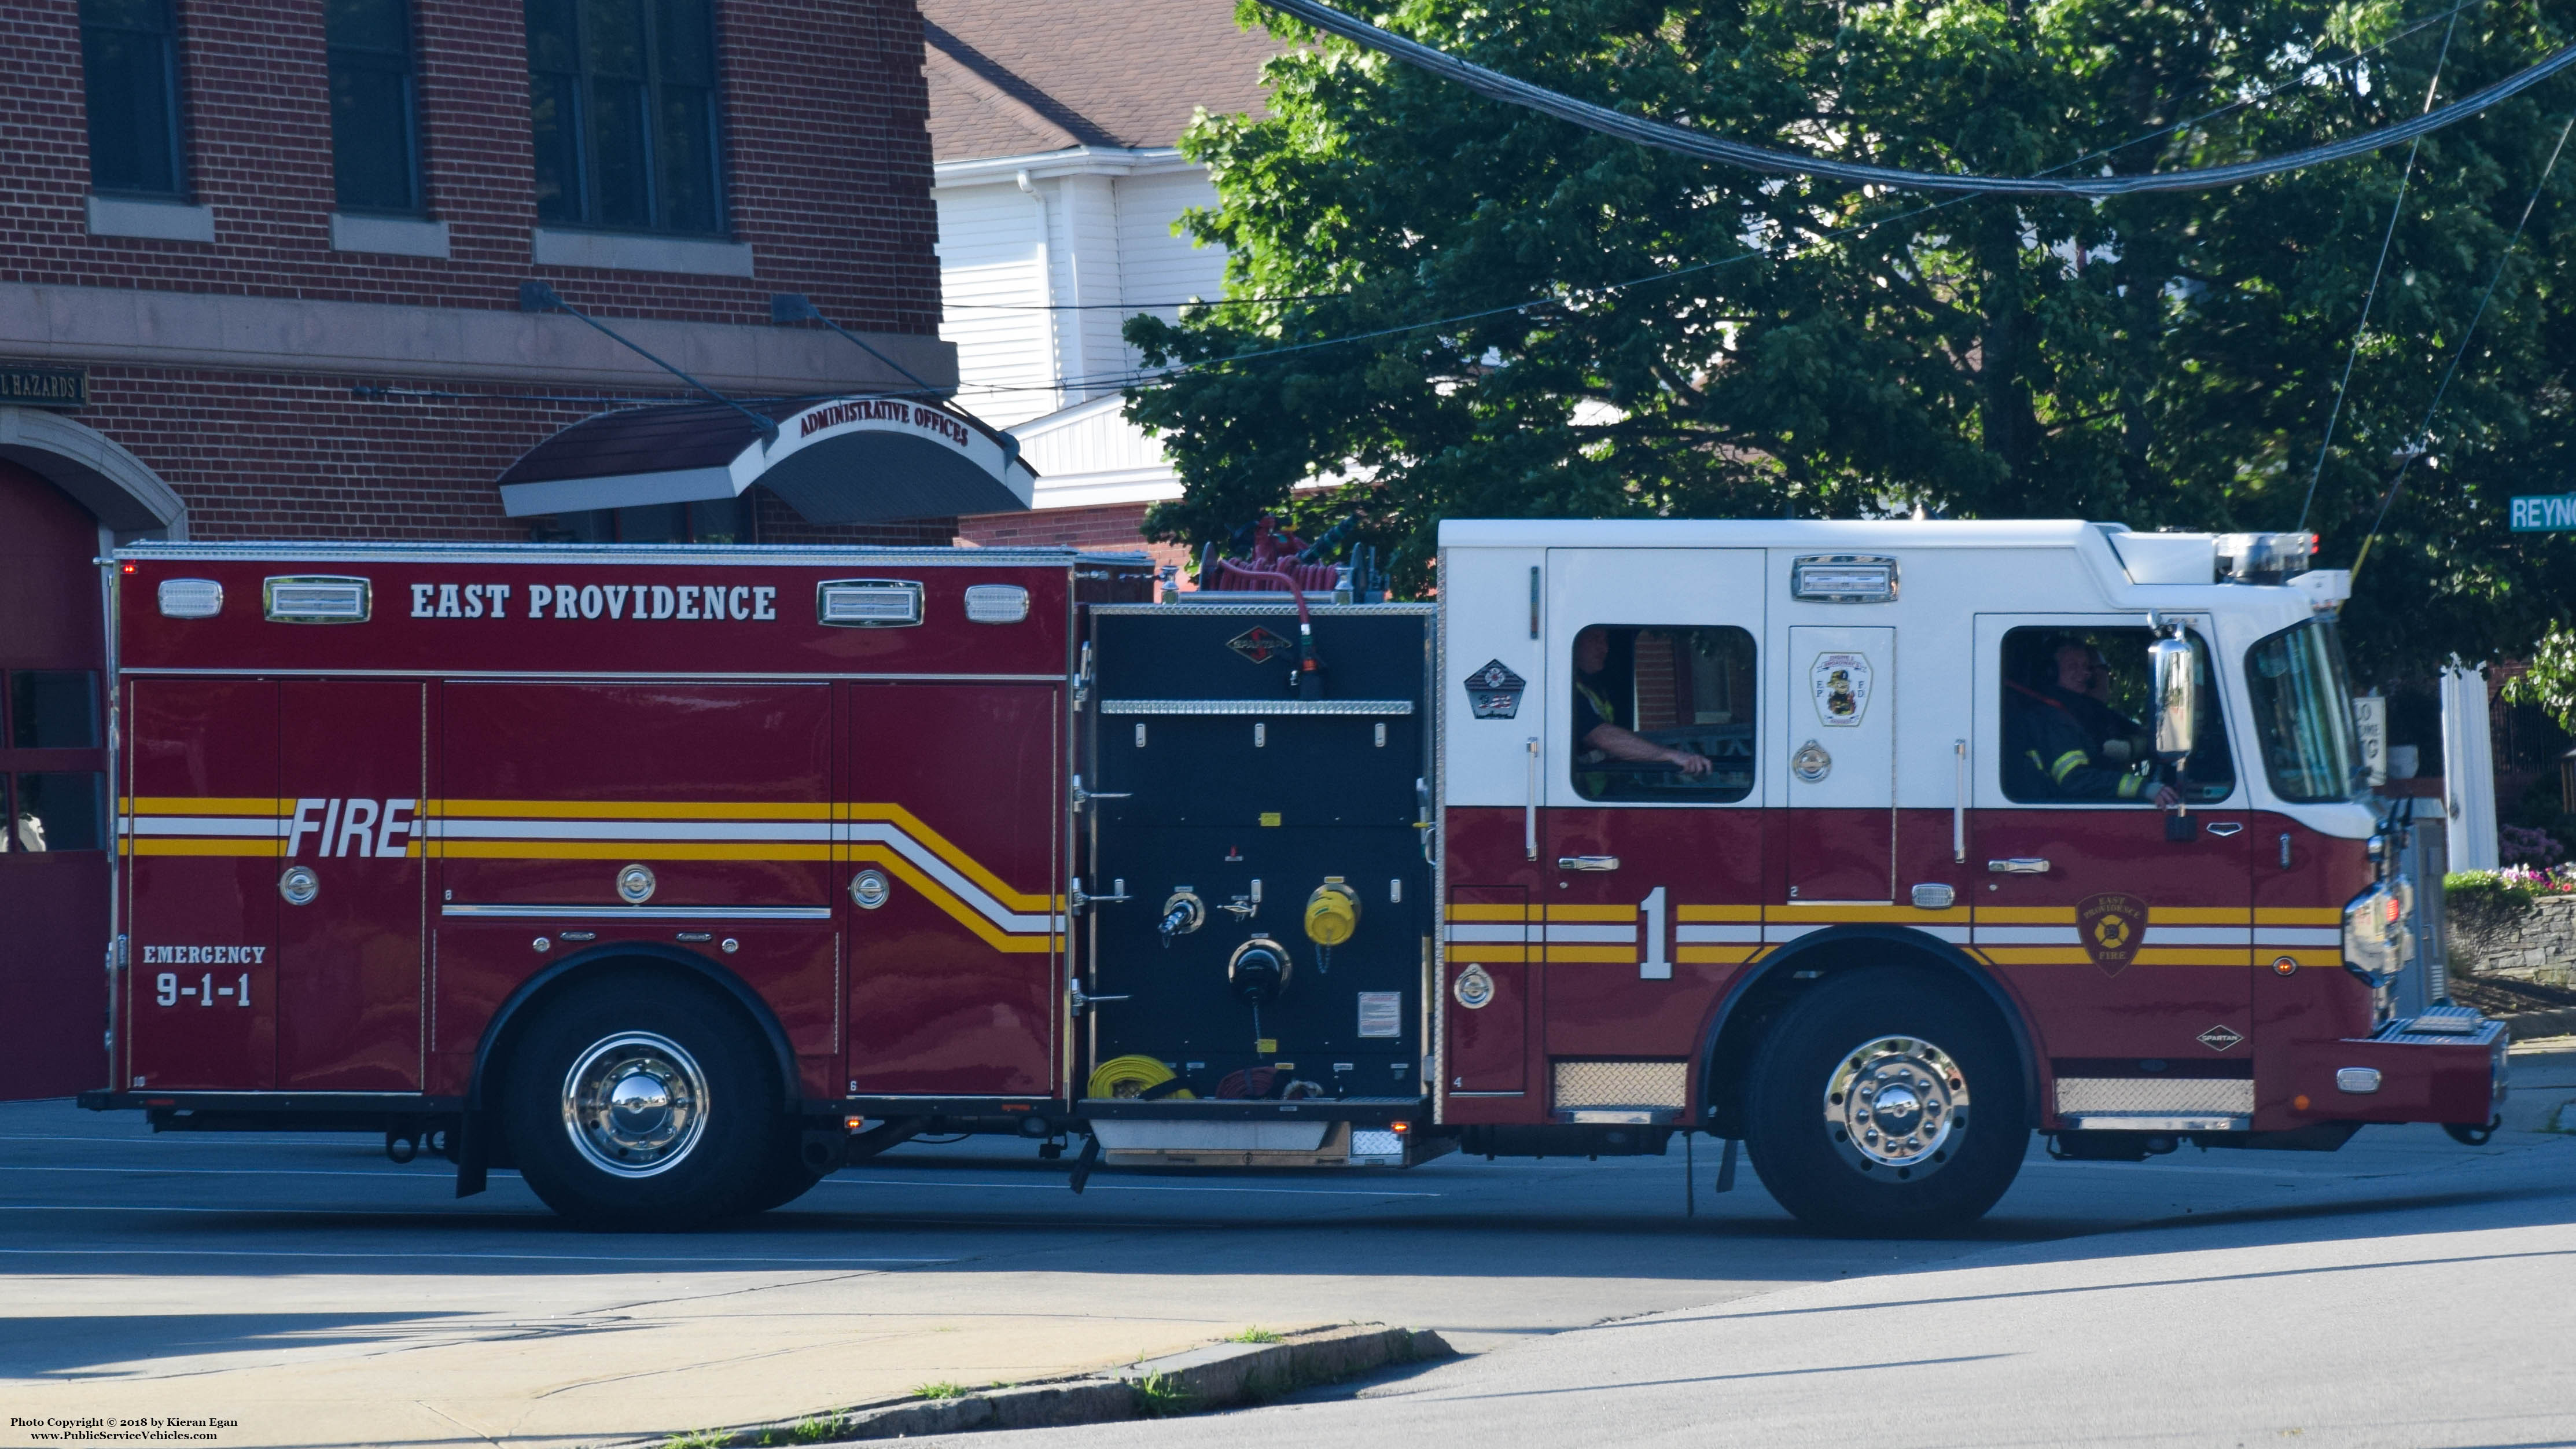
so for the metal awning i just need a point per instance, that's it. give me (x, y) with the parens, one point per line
(845, 460)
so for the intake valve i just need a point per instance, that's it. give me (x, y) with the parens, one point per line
(1182, 914)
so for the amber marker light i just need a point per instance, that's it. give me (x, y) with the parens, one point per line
(2300, 1101)
(853, 1124)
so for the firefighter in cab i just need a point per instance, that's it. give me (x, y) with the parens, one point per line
(2067, 741)
(1598, 733)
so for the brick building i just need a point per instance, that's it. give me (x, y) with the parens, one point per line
(261, 275)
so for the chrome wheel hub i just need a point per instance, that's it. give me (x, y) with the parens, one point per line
(1897, 1105)
(635, 1104)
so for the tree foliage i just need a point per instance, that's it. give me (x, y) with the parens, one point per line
(1481, 312)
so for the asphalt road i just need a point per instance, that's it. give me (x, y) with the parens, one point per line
(317, 1294)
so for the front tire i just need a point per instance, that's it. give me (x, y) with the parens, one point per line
(1887, 1103)
(642, 1105)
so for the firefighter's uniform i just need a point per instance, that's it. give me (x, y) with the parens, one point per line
(2055, 752)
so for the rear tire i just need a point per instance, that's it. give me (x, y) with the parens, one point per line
(642, 1105)
(1887, 1103)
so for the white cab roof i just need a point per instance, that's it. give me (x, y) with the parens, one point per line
(1823, 534)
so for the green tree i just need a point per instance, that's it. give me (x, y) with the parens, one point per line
(1812, 349)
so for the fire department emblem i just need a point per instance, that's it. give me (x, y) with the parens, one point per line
(2110, 927)
(1474, 989)
(1257, 644)
(1841, 683)
(1494, 692)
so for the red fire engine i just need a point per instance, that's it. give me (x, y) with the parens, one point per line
(679, 877)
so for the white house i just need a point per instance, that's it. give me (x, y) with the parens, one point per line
(1053, 129)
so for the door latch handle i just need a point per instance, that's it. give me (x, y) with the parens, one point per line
(2020, 865)
(1587, 862)
(1084, 1001)
(2225, 828)
(1082, 797)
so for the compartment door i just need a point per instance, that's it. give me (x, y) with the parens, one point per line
(202, 828)
(1841, 751)
(349, 960)
(953, 835)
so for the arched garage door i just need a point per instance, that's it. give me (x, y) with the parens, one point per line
(53, 793)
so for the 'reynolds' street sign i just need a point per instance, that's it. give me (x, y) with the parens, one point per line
(2545, 513)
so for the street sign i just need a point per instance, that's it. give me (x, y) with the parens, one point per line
(2545, 514)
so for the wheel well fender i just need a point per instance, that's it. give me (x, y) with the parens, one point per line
(1734, 1030)
(508, 1023)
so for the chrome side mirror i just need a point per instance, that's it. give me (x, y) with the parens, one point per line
(2176, 698)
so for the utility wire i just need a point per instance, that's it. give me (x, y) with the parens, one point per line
(2424, 430)
(1134, 378)
(2361, 326)
(1684, 141)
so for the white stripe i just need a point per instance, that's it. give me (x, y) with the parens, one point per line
(764, 830)
(1739, 931)
(1509, 933)
(1955, 935)
(2028, 936)
(1787, 933)
(1593, 935)
(2297, 936)
(254, 826)
(878, 833)
(2198, 936)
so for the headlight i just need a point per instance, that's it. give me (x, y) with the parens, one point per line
(2378, 937)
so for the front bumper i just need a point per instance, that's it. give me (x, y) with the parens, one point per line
(2446, 1065)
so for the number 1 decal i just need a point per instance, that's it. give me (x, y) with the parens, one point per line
(1657, 966)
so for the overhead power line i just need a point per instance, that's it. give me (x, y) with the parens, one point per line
(1682, 140)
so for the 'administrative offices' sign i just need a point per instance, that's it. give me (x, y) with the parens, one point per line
(2545, 514)
(22, 385)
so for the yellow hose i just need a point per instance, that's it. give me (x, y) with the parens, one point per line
(1130, 1077)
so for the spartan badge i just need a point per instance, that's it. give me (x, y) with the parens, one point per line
(2220, 1037)
(1257, 644)
(1494, 692)
(2110, 927)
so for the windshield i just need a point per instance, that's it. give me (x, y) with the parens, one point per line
(2303, 713)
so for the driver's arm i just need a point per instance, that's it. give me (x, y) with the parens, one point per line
(1621, 744)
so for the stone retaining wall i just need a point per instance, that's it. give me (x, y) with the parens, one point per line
(2538, 945)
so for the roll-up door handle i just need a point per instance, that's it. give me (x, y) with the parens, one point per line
(1587, 862)
(2020, 865)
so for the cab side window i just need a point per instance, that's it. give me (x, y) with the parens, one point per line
(1663, 712)
(2073, 705)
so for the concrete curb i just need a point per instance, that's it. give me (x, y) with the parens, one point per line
(2526, 1025)
(1218, 1376)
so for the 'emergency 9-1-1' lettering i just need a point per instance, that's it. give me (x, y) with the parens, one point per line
(598, 601)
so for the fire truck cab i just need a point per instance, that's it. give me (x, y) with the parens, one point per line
(679, 878)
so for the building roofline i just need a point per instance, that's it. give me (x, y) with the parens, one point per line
(1066, 161)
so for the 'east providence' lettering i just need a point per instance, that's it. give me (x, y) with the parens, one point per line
(598, 601)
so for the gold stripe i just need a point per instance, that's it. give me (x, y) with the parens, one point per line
(2271, 954)
(2298, 915)
(260, 805)
(1717, 913)
(966, 865)
(1487, 953)
(2196, 915)
(624, 810)
(1715, 955)
(1800, 913)
(1591, 913)
(2034, 955)
(1488, 913)
(2025, 915)
(626, 850)
(942, 897)
(1606, 955)
(166, 846)
(2194, 956)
